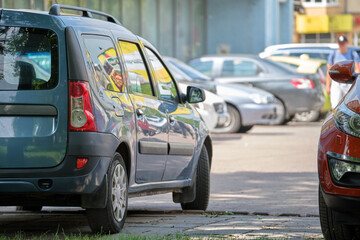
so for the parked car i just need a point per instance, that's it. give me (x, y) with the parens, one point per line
(213, 110)
(247, 106)
(339, 161)
(295, 92)
(314, 50)
(304, 64)
(101, 125)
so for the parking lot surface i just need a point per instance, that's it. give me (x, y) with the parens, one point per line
(263, 184)
(271, 170)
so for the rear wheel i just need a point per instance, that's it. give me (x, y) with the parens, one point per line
(201, 185)
(111, 219)
(331, 230)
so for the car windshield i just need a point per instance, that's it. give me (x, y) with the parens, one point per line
(191, 72)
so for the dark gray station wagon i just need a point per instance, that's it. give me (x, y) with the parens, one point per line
(89, 115)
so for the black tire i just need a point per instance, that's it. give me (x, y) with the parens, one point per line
(245, 129)
(233, 125)
(29, 208)
(330, 229)
(201, 185)
(109, 220)
(280, 113)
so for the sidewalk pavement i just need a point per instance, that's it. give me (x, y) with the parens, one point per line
(196, 224)
(224, 226)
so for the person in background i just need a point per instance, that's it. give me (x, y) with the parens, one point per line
(338, 90)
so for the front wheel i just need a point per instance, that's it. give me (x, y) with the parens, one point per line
(233, 124)
(245, 129)
(201, 185)
(111, 219)
(280, 118)
(331, 230)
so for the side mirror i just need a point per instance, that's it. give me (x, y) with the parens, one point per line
(343, 72)
(195, 94)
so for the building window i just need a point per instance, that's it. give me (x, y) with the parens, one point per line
(317, 38)
(318, 3)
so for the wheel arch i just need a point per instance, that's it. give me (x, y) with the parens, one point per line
(124, 150)
(209, 148)
(284, 104)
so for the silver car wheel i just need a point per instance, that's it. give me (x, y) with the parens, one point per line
(310, 116)
(280, 113)
(118, 192)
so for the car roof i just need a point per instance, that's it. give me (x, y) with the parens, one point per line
(301, 45)
(67, 19)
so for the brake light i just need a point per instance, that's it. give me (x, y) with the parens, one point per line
(81, 113)
(303, 83)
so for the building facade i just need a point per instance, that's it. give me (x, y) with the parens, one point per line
(323, 20)
(187, 29)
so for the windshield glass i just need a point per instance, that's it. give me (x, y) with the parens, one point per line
(28, 58)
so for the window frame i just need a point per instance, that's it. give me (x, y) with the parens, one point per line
(179, 98)
(118, 56)
(142, 54)
(323, 3)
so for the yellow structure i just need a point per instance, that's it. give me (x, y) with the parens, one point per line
(322, 21)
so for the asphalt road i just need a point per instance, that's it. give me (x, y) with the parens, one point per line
(269, 170)
(267, 178)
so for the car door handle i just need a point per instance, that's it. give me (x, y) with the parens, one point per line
(172, 119)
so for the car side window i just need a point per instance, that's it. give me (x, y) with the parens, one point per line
(203, 66)
(105, 63)
(136, 69)
(238, 67)
(166, 85)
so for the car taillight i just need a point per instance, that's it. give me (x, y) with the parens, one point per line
(303, 83)
(81, 113)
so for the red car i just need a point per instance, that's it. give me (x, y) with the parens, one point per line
(339, 161)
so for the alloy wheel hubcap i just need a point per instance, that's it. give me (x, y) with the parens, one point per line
(118, 193)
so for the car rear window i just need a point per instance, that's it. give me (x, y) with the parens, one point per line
(28, 58)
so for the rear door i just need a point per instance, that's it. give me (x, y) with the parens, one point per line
(33, 93)
(181, 120)
(151, 121)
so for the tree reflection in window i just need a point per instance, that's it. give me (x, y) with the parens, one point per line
(136, 70)
(164, 81)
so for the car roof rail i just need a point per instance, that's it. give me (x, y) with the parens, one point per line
(55, 10)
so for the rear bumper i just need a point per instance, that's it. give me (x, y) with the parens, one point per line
(252, 113)
(304, 101)
(86, 183)
(64, 179)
